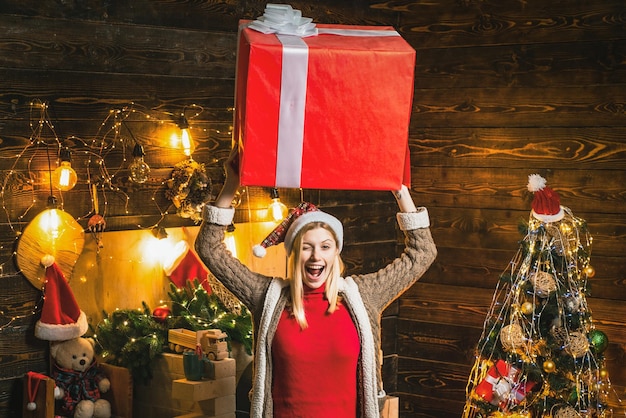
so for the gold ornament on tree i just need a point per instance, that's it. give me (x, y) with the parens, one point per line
(527, 308)
(512, 337)
(544, 283)
(577, 344)
(566, 412)
(549, 366)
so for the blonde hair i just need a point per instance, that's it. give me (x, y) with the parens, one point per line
(295, 274)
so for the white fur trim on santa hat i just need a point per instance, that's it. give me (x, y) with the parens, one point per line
(218, 216)
(173, 259)
(548, 218)
(309, 217)
(62, 332)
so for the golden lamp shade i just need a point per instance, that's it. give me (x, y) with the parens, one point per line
(52, 232)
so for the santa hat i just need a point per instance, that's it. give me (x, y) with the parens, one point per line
(61, 318)
(303, 214)
(184, 264)
(546, 204)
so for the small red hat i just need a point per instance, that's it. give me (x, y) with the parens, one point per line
(61, 318)
(546, 204)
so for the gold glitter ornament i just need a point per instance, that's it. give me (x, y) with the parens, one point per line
(589, 271)
(549, 366)
(527, 308)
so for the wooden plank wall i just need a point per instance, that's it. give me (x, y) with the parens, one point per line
(503, 89)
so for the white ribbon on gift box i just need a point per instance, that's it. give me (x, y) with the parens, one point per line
(290, 27)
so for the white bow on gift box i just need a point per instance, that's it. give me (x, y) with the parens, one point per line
(284, 20)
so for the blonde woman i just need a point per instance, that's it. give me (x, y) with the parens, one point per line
(316, 333)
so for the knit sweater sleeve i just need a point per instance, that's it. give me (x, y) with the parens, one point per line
(385, 285)
(249, 287)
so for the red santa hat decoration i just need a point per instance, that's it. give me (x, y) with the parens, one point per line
(184, 264)
(61, 317)
(303, 214)
(546, 204)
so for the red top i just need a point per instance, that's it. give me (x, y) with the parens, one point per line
(315, 369)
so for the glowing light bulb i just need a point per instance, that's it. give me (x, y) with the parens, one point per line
(185, 140)
(185, 137)
(64, 177)
(277, 209)
(139, 170)
(50, 223)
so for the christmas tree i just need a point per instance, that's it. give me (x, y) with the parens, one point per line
(540, 354)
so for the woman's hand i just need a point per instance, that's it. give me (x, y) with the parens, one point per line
(404, 199)
(231, 184)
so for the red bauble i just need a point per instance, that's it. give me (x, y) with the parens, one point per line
(161, 313)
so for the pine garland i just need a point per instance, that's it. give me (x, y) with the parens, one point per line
(134, 338)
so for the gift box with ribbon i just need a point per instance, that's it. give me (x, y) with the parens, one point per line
(322, 106)
(503, 387)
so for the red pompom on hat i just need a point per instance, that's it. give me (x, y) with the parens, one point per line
(546, 204)
(61, 317)
(298, 217)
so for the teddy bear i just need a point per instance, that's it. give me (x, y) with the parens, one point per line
(79, 380)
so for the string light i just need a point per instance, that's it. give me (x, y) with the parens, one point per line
(93, 156)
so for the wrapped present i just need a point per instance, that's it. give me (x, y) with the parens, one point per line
(328, 110)
(502, 386)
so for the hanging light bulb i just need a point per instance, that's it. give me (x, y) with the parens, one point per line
(139, 170)
(229, 240)
(64, 177)
(277, 209)
(50, 219)
(185, 136)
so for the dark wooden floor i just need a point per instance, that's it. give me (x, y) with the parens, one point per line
(503, 89)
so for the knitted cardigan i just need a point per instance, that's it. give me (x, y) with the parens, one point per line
(365, 296)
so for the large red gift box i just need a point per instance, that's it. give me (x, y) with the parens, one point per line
(330, 111)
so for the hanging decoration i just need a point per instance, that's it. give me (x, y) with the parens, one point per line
(540, 353)
(189, 188)
(52, 232)
(96, 223)
(33, 379)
